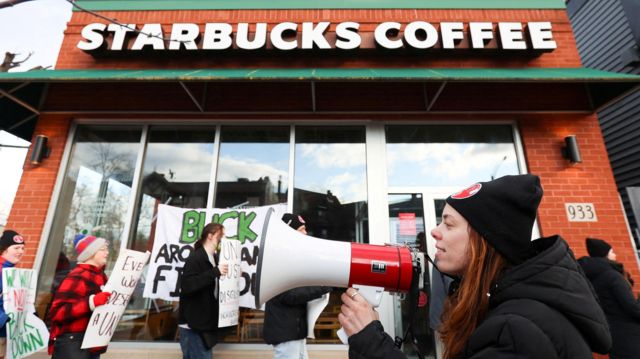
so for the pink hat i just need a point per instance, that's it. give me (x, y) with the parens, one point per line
(86, 246)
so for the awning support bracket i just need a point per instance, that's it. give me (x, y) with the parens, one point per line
(22, 122)
(313, 96)
(592, 106)
(425, 95)
(615, 99)
(16, 88)
(204, 95)
(437, 95)
(190, 94)
(19, 101)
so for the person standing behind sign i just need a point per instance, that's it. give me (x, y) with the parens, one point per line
(616, 298)
(11, 251)
(76, 298)
(199, 303)
(285, 321)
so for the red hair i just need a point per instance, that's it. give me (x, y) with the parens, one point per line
(468, 307)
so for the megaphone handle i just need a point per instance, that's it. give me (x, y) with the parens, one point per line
(373, 295)
(343, 336)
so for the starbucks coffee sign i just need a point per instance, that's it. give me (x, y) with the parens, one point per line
(529, 37)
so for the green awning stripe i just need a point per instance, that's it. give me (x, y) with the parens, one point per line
(323, 74)
(128, 5)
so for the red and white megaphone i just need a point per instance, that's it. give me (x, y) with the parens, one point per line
(289, 259)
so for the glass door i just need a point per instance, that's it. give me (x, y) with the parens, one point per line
(412, 214)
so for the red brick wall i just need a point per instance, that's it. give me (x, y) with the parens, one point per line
(590, 181)
(566, 55)
(36, 186)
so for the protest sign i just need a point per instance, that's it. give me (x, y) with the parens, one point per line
(124, 278)
(178, 228)
(26, 333)
(229, 294)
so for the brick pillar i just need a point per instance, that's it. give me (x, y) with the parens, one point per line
(36, 186)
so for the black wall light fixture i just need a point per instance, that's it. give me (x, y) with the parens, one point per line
(571, 151)
(40, 150)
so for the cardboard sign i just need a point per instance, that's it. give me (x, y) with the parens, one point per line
(229, 294)
(124, 278)
(26, 333)
(178, 228)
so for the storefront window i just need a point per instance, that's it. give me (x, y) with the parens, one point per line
(330, 182)
(253, 166)
(176, 171)
(449, 155)
(94, 198)
(331, 195)
(253, 170)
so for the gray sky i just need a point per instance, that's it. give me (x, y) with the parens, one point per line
(35, 26)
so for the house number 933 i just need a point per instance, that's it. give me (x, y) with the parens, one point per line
(581, 212)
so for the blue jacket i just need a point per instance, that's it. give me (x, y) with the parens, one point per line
(4, 318)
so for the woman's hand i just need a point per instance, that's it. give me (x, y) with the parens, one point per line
(356, 313)
(224, 269)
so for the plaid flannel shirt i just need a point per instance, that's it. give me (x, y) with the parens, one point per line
(70, 311)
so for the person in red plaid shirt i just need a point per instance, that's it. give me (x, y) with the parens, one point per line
(78, 295)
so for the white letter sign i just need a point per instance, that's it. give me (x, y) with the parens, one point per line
(229, 293)
(123, 280)
(26, 333)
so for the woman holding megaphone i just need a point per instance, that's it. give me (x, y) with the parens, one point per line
(511, 298)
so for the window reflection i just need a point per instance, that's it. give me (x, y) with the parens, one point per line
(330, 182)
(94, 198)
(449, 155)
(176, 171)
(253, 166)
(407, 227)
(331, 195)
(253, 169)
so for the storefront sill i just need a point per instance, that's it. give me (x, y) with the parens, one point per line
(149, 350)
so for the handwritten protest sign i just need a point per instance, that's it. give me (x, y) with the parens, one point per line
(26, 333)
(124, 278)
(229, 294)
(178, 228)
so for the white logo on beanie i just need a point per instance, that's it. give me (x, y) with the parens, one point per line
(468, 192)
(18, 239)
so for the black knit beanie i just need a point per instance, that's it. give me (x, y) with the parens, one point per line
(502, 211)
(10, 238)
(597, 247)
(293, 220)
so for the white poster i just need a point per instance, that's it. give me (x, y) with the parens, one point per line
(314, 309)
(178, 228)
(26, 333)
(123, 280)
(229, 294)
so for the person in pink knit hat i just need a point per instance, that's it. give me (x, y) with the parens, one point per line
(76, 298)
